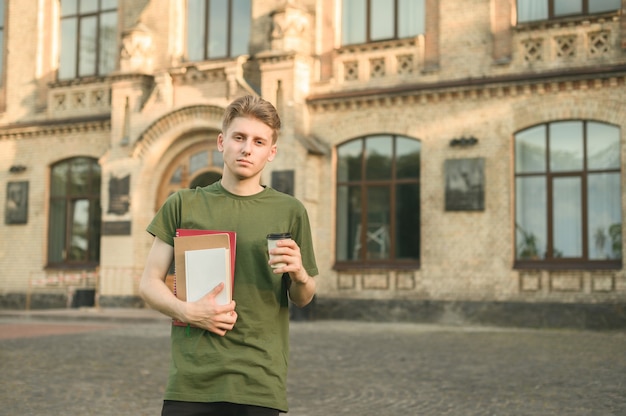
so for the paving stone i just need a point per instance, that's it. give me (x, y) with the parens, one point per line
(119, 367)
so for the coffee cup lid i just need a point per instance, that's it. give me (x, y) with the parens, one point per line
(278, 236)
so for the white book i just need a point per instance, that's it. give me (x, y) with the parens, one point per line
(204, 270)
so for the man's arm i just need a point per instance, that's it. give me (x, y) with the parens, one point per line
(204, 313)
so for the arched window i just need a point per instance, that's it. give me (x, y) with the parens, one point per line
(378, 204)
(75, 213)
(567, 195)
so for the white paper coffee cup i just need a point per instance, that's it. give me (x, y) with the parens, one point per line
(271, 244)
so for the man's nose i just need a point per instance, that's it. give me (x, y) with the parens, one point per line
(245, 148)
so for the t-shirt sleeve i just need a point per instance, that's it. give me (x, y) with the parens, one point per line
(167, 219)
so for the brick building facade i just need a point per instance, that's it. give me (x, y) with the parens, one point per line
(458, 163)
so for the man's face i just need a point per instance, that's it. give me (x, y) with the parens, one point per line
(247, 146)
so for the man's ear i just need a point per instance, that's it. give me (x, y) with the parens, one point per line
(220, 142)
(272, 154)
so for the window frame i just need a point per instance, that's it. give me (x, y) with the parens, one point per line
(391, 184)
(368, 24)
(552, 16)
(551, 261)
(69, 199)
(98, 42)
(229, 39)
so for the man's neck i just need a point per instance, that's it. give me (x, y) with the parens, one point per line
(245, 187)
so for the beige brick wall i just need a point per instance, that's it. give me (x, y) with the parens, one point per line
(472, 75)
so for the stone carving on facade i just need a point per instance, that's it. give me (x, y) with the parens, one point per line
(137, 50)
(291, 29)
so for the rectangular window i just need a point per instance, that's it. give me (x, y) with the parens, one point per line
(375, 20)
(88, 38)
(217, 28)
(536, 10)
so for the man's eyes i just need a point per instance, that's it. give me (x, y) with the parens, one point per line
(258, 142)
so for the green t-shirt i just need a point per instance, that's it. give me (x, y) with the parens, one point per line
(249, 364)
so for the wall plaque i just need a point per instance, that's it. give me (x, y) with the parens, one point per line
(465, 184)
(16, 206)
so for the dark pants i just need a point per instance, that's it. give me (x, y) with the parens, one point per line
(175, 408)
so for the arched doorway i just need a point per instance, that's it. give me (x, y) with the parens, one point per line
(200, 165)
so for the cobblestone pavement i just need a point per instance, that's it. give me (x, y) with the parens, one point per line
(117, 368)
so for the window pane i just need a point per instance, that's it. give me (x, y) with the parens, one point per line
(218, 160)
(567, 217)
(87, 46)
(604, 216)
(58, 183)
(353, 22)
(411, 18)
(240, 27)
(108, 43)
(218, 34)
(67, 60)
(407, 158)
(407, 222)
(88, 6)
(530, 218)
(95, 178)
(597, 6)
(177, 176)
(1, 54)
(382, 19)
(198, 161)
(378, 153)
(530, 10)
(349, 158)
(530, 150)
(566, 146)
(602, 146)
(564, 7)
(93, 231)
(69, 7)
(108, 4)
(80, 222)
(378, 218)
(348, 223)
(79, 177)
(56, 245)
(196, 13)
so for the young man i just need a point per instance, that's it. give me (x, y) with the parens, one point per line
(232, 359)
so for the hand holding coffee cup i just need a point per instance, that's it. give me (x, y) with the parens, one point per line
(272, 239)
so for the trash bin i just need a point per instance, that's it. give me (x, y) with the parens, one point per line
(84, 297)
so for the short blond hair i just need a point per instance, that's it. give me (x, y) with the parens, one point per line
(254, 107)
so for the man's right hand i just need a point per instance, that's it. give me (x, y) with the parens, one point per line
(208, 314)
